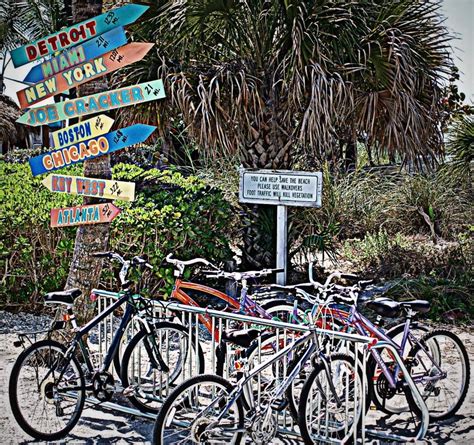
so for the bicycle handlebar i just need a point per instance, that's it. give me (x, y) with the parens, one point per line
(239, 276)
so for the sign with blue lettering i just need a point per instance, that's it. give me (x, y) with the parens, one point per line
(96, 103)
(78, 54)
(77, 33)
(90, 149)
(82, 131)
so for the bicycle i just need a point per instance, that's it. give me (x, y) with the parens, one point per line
(48, 382)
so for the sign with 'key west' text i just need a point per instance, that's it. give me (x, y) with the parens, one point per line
(108, 63)
(82, 215)
(88, 129)
(90, 149)
(77, 55)
(77, 33)
(281, 187)
(93, 187)
(96, 103)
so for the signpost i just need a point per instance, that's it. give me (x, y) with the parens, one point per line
(90, 149)
(281, 188)
(82, 215)
(96, 103)
(91, 128)
(93, 187)
(78, 33)
(93, 69)
(78, 54)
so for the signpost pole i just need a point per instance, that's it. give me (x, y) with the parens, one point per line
(282, 243)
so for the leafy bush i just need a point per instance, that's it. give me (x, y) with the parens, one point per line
(172, 213)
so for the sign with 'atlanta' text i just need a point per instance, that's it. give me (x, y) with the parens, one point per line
(82, 215)
(96, 103)
(88, 129)
(90, 149)
(71, 78)
(77, 33)
(78, 54)
(281, 187)
(93, 187)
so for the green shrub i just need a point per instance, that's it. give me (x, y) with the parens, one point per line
(172, 213)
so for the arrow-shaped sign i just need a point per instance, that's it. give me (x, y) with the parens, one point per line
(81, 215)
(77, 33)
(78, 54)
(108, 63)
(91, 128)
(94, 187)
(96, 103)
(90, 149)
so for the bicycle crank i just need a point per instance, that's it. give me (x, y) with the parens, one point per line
(103, 386)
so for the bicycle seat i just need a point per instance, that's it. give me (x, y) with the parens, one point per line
(243, 337)
(62, 297)
(422, 306)
(384, 306)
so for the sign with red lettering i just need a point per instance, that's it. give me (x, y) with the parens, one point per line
(109, 62)
(82, 215)
(96, 103)
(77, 33)
(93, 187)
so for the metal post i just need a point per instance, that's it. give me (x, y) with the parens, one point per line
(282, 243)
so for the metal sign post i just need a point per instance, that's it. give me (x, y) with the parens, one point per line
(282, 188)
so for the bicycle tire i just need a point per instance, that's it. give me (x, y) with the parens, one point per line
(165, 421)
(444, 358)
(146, 398)
(44, 392)
(344, 432)
(275, 307)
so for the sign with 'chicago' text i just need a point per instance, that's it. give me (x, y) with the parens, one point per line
(75, 34)
(96, 103)
(281, 187)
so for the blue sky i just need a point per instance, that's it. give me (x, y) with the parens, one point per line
(459, 19)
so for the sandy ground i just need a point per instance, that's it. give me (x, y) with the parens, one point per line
(103, 427)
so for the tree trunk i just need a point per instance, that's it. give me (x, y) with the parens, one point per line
(85, 270)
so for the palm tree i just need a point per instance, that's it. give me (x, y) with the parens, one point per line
(10, 132)
(298, 82)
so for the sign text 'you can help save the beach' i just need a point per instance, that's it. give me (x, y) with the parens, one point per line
(78, 33)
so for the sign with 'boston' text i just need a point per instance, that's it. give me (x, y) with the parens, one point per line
(77, 33)
(90, 149)
(281, 187)
(96, 103)
(93, 187)
(77, 55)
(85, 72)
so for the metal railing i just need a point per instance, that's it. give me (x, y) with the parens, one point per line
(188, 317)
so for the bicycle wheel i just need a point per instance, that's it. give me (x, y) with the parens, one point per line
(46, 391)
(386, 399)
(147, 385)
(441, 371)
(331, 402)
(197, 411)
(284, 311)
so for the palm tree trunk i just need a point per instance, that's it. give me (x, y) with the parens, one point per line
(85, 270)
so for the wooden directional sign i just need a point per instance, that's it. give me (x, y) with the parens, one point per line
(81, 215)
(96, 103)
(77, 33)
(91, 128)
(281, 187)
(94, 187)
(78, 54)
(92, 148)
(108, 63)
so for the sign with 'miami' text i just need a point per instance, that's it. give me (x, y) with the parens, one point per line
(281, 187)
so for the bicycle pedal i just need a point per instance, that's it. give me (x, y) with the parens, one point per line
(279, 405)
(129, 391)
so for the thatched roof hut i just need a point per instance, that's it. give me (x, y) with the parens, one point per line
(11, 133)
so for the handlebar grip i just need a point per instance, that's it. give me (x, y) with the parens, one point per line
(281, 269)
(101, 254)
(349, 276)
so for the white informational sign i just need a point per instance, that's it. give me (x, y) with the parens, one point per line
(281, 187)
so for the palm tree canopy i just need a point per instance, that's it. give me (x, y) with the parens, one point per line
(307, 73)
(10, 131)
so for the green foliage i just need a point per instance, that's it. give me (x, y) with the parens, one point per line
(172, 213)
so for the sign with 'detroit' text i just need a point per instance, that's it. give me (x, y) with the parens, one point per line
(281, 187)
